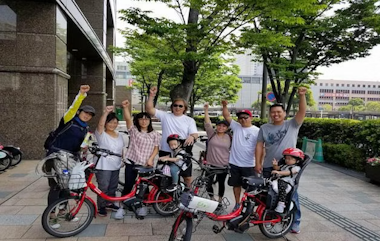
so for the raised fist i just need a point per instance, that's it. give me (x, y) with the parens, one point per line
(109, 109)
(84, 89)
(224, 103)
(153, 91)
(125, 104)
(302, 90)
(205, 107)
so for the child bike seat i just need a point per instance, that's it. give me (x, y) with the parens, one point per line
(144, 171)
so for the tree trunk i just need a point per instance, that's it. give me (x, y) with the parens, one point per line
(190, 67)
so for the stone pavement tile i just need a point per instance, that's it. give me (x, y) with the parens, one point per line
(32, 202)
(13, 231)
(32, 210)
(116, 229)
(4, 194)
(262, 237)
(315, 226)
(10, 209)
(368, 224)
(37, 232)
(94, 230)
(57, 239)
(31, 194)
(346, 207)
(207, 237)
(327, 236)
(162, 228)
(124, 238)
(308, 215)
(353, 215)
(17, 219)
(365, 199)
(375, 212)
(150, 238)
(374, 222)
(26, 239)
(237, 236)
(18, 175)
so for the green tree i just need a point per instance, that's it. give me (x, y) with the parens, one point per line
(327, 107)
(373, 106)
(293, 50)
(208, 29)
(354, 102)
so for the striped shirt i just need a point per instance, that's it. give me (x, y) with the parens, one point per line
(142, 145)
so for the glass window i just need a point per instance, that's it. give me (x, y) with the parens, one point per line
(337, 85)
(358, 85)
(8, 22)
(348, 85)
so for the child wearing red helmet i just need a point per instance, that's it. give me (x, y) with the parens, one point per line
(288, 172)
(176, 160)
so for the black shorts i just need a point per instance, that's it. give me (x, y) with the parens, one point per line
(189, 170)
(237, 173)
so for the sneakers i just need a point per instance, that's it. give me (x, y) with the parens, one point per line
(237, 206)
(171, 188)
(54, 224)
(295, 229)
(112, 207)
(280, 207)
(102, 212)
(119, 214)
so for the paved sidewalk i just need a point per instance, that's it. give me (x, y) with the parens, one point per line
(335, 207)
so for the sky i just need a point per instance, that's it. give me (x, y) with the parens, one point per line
(362, 69)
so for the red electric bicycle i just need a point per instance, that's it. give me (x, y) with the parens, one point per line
(256, 208)
(72, 214)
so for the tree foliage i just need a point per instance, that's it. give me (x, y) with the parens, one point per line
(293, 50)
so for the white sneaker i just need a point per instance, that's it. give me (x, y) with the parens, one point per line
(55, 226)
(76, 219)
(280, 207)
(119, 214)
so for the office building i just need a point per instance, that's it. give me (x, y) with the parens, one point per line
(48, 48)
(337, 93)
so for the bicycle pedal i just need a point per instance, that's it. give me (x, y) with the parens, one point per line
(216, 229)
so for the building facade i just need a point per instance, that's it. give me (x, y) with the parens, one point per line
(48, 48)
(124, 85)
(337, 93)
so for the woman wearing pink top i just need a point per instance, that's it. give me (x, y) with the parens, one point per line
(218, 151)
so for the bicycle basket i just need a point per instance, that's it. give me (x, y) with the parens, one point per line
(64, 161)
(71, 181)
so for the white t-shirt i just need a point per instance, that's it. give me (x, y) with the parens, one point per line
(110, 163)
(243, 145)
(171, 124)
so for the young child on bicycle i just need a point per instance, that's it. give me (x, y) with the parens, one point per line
(288, 172)
(176, 161)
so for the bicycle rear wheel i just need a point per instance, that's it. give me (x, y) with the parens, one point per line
(276, 230)
(182, 228)
(16, 159)
(5, 163)
(166, 208)
(58, 221)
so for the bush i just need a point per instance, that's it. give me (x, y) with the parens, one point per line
(344, 155)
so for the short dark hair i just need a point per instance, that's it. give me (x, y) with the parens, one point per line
(111, 116)
(142, 115)
(277, 105)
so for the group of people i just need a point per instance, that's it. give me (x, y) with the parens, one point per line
(243, 152)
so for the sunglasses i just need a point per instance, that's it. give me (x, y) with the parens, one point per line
(243, 117)
(179, 106)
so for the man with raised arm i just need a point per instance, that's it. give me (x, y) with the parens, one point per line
(242, 155)
(176, 122)
(277, 136)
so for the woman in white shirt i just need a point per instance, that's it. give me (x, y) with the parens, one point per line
(108, 167)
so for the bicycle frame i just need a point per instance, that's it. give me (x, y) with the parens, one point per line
(149, 199)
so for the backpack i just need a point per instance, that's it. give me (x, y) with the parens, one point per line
(54, 134)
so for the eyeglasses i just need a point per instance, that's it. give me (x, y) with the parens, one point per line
(179, 106)
(243, 117)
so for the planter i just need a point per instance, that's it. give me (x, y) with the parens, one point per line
(373, 172)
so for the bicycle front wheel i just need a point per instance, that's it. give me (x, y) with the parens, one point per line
(58, 219)
(16, 159)
(275, 230)
(182, 228)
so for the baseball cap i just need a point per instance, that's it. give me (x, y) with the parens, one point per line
(88, 109)
(244, 112)
(222, 122)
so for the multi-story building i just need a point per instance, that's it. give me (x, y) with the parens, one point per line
(48, 48)
(251, 78)
(124, 83)
(337, 93)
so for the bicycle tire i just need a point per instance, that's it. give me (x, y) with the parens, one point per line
(16, 159)
(5, 163)
(182, 233)
(266, 228)
(46, 217)
(157, 206)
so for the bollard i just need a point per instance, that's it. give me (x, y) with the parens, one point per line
(318, 156)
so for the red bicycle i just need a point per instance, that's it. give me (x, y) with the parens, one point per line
(256, 208)
(72, 214)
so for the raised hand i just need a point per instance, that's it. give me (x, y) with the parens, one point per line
(153, 91)
(205, 107)
(224, 103)
(108, 109)
(84, 89)
(125, 104)
(302, 90)
(274, 162)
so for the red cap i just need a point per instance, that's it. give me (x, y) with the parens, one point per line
(244, 112)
